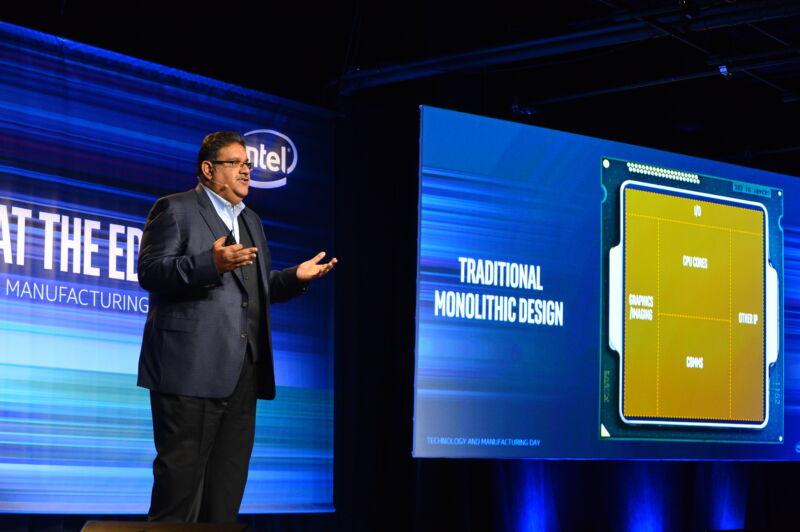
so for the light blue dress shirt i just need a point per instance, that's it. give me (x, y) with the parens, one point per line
(227, 211)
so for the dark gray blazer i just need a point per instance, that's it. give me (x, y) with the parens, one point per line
(194, 339)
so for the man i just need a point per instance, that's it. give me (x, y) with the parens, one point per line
(207, 349)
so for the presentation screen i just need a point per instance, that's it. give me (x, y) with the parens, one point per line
(88, 141)
(582, 298)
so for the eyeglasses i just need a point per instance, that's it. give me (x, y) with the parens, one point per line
(241, 165)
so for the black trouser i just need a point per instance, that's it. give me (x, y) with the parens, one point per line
(203, 451)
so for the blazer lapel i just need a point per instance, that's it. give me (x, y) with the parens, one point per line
(215, 224)
(252, 222)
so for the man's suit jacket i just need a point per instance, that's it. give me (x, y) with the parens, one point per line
(195, 337)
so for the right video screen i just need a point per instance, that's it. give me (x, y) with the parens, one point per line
(582, 298)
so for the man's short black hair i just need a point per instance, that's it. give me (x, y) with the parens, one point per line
(209, 150)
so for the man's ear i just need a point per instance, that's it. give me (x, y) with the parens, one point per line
(206, 168)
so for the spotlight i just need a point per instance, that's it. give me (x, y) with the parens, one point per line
(690, 8)
(523, 110)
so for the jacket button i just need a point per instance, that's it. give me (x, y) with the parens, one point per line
(244, 304)
(244, 335)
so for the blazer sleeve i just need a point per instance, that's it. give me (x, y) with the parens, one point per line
(284, 285)
(163, 265)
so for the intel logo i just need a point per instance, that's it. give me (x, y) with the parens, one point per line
(274, 156)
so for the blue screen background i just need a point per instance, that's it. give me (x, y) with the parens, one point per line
(94, 135)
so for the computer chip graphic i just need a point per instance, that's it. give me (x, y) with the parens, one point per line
(692, 306)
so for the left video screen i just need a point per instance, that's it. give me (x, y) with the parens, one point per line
(89, 140)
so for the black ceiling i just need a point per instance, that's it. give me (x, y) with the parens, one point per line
(647, 72)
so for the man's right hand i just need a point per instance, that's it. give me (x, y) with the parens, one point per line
(228, 258)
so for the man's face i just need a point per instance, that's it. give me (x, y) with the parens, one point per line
(235, 175)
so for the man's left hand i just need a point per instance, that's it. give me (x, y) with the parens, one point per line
(312, 269)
